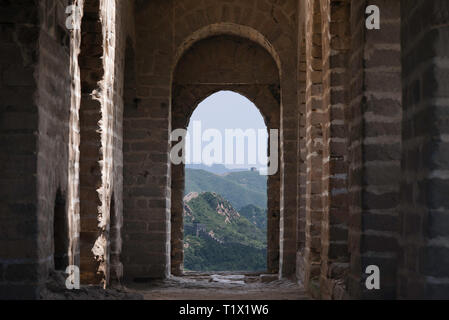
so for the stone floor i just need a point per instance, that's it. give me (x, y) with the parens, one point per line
(223, 286)
(192, 286)
(55, 289)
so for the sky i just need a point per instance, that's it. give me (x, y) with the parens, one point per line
(229, 110)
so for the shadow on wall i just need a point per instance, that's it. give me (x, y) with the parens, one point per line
(60, 233)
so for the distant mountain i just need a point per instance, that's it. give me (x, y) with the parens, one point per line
(218, 238)
(251, 180)
(218, 169)
(239, 188)
(255, 215)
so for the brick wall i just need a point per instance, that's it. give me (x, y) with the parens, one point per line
(354, 118)
(146, 232)
(375, 148)
(353, 143)
(423, 263)
(336, 45)
(35, 110)
(314, 144)
(53, 100)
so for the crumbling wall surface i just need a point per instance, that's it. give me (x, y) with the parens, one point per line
(424, 258)
(104, 28)
(73, 195)
(91, 73)
(106, 95)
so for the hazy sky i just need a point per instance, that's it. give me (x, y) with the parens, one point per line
(229, 110)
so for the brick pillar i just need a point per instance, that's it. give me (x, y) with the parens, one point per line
(273, 243)
(146, 230)
(182, 104)
(302, 163)
(129, 104)
(375, 148)
(177, 221)
(424, 259)
(314, 144)
(334, 234)
(288, 168)
(288, 165)
(355, 137)
(100, 124)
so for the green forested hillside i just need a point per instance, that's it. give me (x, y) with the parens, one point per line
(218, 238)
(207, 255)
(226, 223)
(248, 179)
(255, 215)
(240, 188)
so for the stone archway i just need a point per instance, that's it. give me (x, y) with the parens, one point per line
(224, 62)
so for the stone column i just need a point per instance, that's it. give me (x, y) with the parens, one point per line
(374, 148)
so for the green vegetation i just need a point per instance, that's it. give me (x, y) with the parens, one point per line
(225, 224)
(239, 188)
(218, 238)
(203, 254)
(255, 215)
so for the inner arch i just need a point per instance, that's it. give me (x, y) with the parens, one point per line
(215, 62)
(232, 29)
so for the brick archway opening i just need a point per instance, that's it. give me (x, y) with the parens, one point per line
(224, 63)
